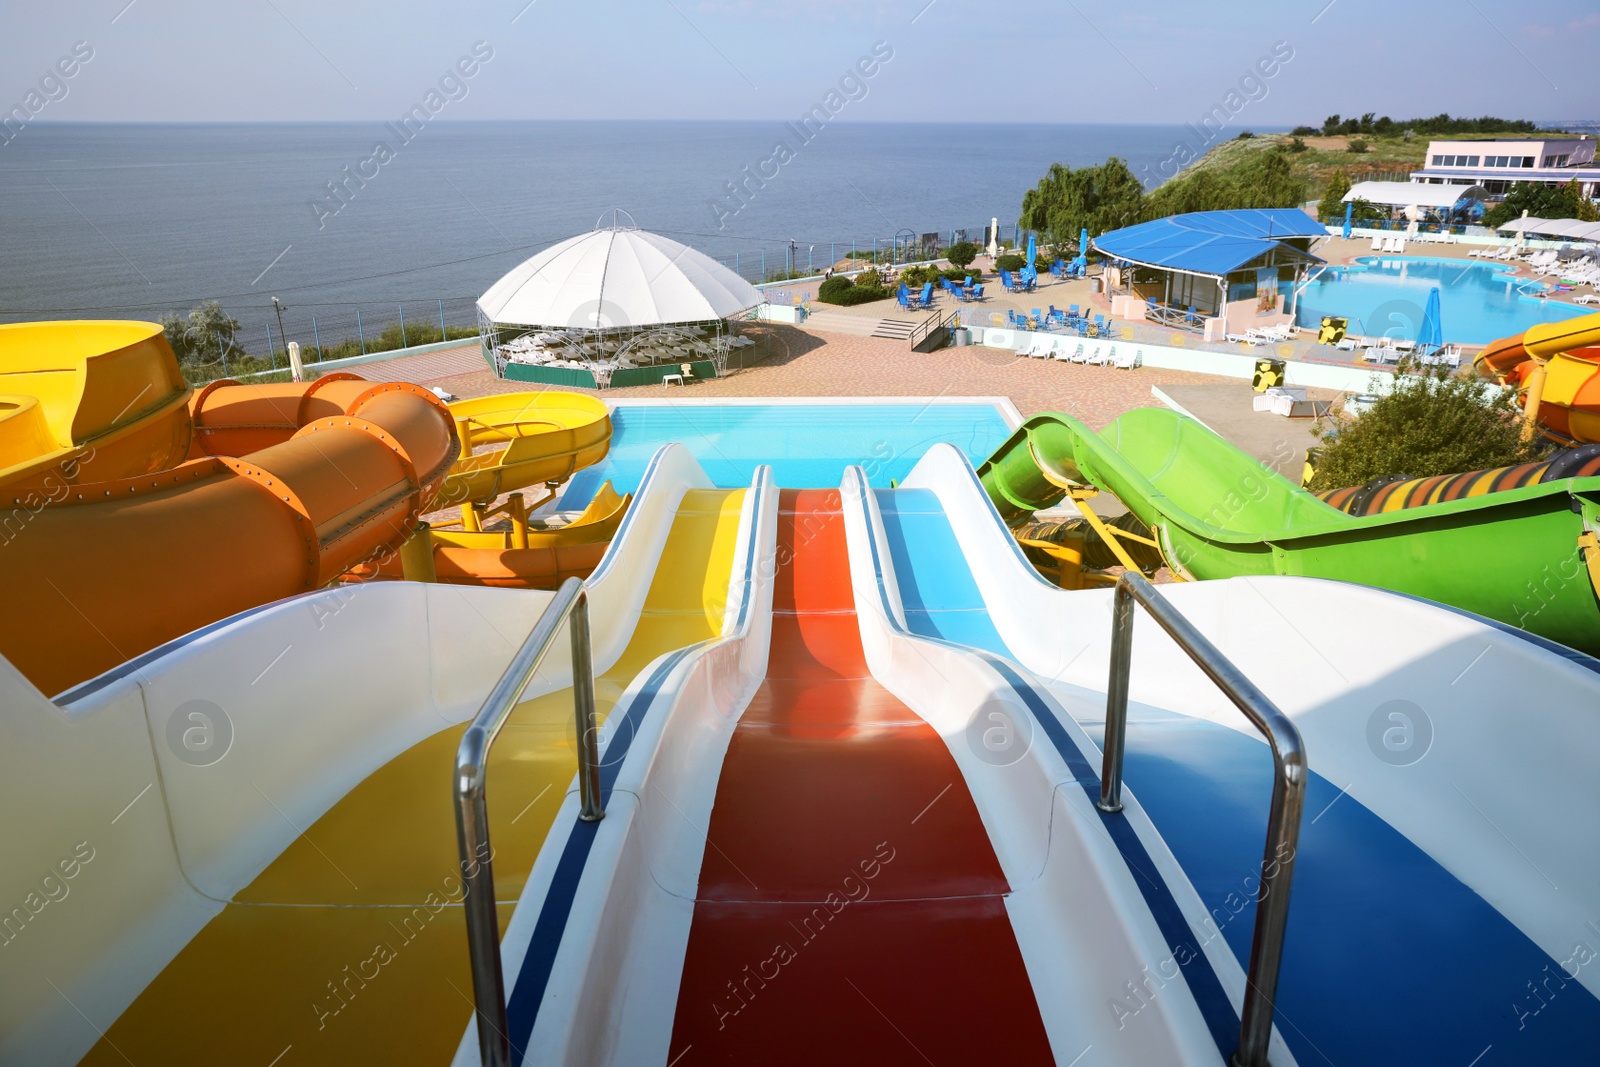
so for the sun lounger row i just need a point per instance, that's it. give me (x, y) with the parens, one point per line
(1089, 354)
(1388, 244)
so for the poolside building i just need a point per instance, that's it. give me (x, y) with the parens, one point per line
(1498, 165)
(1214, 272)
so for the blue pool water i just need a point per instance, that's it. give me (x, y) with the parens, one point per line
(808, 445)
(1384, 296)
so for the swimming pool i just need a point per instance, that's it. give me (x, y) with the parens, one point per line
(808, 444)
(1386, 296)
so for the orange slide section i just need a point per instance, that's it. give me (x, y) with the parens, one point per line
(849, 897)
(1566, 400)
(111, 548)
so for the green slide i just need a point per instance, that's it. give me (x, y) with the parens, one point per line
(1512, 555)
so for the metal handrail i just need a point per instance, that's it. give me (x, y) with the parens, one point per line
(1288, 791)
(472, 811)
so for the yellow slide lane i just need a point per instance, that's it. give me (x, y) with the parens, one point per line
(350, 947)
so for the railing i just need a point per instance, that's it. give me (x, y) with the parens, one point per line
(933, 331)
(472, 812)
(1288, 791)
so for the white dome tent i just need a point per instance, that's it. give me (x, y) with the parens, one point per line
(612, 300)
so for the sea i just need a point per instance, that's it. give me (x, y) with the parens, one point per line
(138, 220)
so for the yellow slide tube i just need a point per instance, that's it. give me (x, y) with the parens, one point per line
(350, 947)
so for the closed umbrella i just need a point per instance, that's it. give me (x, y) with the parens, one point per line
(1033, 250)
(1348, 208)
(1431, 334)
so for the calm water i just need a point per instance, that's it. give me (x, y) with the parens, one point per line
(808, 446)
(1478, 302)
(133, 220)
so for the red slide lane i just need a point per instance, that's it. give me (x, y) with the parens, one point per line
(850, 905)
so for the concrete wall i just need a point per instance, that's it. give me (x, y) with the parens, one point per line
(1348, 379)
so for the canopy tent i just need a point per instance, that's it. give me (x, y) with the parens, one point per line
(1214, 243)
(616, 277)
(1414, 194)
(1567, 229)
(613, 306)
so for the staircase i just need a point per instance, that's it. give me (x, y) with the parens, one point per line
(861, 325)
(896, 329)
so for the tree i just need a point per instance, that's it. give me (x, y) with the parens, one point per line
(200, 337)
(961, 254)
(1541, 201)
(1431, 423)
(1332, 206)
(1096, 198)
(1330, 125)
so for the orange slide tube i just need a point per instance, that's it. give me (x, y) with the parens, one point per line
(327, 475)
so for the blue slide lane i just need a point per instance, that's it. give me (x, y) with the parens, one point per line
(1389, 958)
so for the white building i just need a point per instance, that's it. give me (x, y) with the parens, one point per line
(1498, 165)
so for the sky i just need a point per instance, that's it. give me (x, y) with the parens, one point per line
(1159, 61)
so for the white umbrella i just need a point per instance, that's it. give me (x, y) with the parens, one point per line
(617, 277)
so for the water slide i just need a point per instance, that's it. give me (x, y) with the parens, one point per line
(1512, 555)
(1430, 884)
(1565, 399)
(135, 519)
(807, 859)
(249, 848)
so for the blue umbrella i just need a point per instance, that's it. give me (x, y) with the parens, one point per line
(1431, 334)
(1083, 241)
(1347, 209)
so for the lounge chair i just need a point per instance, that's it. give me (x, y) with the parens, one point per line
(1246, 339)
(1064, 356)
(1377, 243)
(1102, 356)
(1128, 361)
(1400, 244)
(1586, 298)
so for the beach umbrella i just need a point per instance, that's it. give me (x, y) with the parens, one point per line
(1431, 334)
(1083, 242)
(1348, 208)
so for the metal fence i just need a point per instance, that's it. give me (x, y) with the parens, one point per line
(802, 259)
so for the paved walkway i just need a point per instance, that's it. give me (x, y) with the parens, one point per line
(427, 368)
(802, 363)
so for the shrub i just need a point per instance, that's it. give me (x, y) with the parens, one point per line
(962, 275)
(1244, 135)
(961, 253)
(869, 279)
(832, 288)
(1295, 145)
(1306, 131)
(1356, 146)
(1432, 423)
(844, 293)
(1010, 262)
(1041, 263)
(860, 294)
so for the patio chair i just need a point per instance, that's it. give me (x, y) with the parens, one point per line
(1191, 317)
(1036, 319)
(977, 292)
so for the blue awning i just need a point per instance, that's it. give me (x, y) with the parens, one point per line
(1213, 242)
